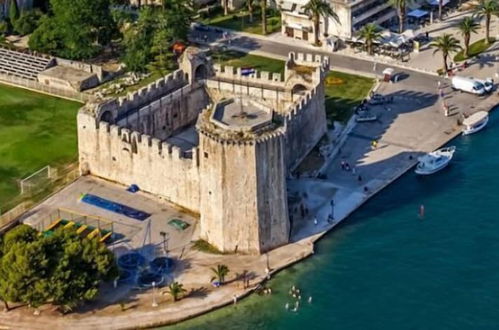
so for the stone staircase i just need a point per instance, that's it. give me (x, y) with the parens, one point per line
(23, 65)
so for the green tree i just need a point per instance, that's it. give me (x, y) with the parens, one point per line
(250, 5)
(370, 33)
(13, 11)
(219, 273)
(176, 289)
(76, 267)
(63, 268)
(263, 9)
(179, 14)
(316, 9)
(76, 29)
(486, 9)
(401, 8)
(22, 270)
(27, 22)
(467, 26)
(445, 44)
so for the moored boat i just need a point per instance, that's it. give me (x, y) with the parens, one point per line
(435, 161)
(475, 122)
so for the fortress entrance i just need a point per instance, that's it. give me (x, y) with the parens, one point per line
(201, 72)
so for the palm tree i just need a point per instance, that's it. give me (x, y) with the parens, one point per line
(250, 5)
(445, 44)
(263, 5)
(220, 272)
(370, 33)
(486, 9)
(440, 8)
(400, 6)
(225, 5)
(175, 289)
(316, 9)
(468, 26)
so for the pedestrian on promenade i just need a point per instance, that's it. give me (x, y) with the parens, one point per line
(439, 84)
(205, 38)
(315, 221)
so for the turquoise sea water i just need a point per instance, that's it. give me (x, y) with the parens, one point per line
(384, 268)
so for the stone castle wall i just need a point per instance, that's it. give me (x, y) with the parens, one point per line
(128, 157)
(121, 107)
(236, 183)
(168, 114)
(243, 189)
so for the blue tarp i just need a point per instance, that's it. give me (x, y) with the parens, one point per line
(115, 207)
(417, 13)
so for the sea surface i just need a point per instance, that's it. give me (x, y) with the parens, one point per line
(385, 268)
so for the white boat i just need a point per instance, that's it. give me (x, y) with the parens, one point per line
(434, 161)
(475, 122)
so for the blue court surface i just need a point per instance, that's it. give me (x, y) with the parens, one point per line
(114, 207)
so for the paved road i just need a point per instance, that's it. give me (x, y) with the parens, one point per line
(277, 48)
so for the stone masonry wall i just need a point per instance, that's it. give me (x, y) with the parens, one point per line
(123, 106)
(121, 155)
(166, 115)
(244, 203)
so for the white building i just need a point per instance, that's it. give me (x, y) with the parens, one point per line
(352, 14)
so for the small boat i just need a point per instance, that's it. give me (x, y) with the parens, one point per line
(366, 118)
(435, 161)
(475, 122)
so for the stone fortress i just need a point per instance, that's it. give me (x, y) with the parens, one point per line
(214, 141)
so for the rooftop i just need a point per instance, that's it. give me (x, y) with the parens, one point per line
(241, 114)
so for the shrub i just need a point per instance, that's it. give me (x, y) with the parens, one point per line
(28, 22)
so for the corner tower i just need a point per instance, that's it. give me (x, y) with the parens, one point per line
(243, 187)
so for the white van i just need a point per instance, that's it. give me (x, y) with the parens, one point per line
(468, 85)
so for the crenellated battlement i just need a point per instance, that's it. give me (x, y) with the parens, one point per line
(316, 60)
(142, 144)
(258, 77)
(137, 99)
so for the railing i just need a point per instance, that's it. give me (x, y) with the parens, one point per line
(36, 86)
(8, 218)
(22, 203)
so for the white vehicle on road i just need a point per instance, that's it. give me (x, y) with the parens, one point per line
(468, 85)
(488, 84)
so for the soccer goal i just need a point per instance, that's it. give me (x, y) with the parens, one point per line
(37, 180)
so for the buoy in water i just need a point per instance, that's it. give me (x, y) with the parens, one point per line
(421, 211)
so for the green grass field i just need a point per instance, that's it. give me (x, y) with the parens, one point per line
(241, 22)
(346, 92)
(35, 130)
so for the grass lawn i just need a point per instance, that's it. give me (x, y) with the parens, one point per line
(241, 22)
(343, 91)
(238, 59)
(475, 48)
(35, 130)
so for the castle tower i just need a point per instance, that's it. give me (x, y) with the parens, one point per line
(243, 188)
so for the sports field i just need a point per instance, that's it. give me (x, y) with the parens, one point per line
(35, 130)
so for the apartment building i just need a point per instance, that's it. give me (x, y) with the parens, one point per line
(352, 14)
